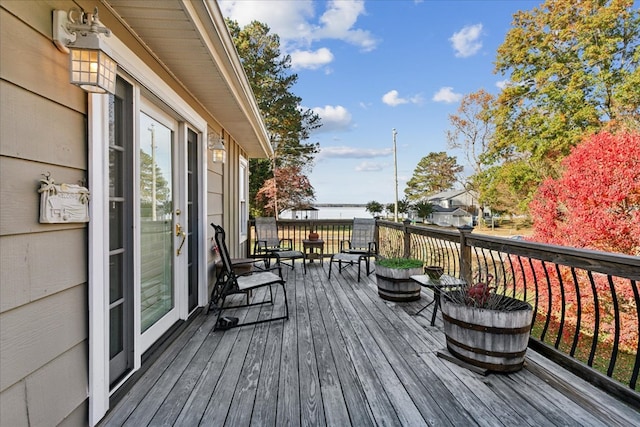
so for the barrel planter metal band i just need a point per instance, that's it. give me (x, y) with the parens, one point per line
(490, 339)
(396, 284)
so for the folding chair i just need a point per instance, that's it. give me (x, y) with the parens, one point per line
(229, 283)
(269, 244)
(363, 240)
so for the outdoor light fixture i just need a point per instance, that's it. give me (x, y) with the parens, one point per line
(90, 65)
(216, 145)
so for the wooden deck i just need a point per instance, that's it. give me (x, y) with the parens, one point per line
(346, 357)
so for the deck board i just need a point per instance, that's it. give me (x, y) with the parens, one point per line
(346, 357)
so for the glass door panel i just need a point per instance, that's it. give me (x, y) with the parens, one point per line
(157, 296)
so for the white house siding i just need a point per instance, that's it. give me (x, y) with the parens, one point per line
(43, 271)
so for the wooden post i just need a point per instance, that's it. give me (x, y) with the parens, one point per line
(465, 254)
(407, 239)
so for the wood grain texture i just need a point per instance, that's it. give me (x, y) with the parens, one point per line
(346, 357)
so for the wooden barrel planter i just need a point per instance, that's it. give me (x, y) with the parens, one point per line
(396, 285)
(495, 340)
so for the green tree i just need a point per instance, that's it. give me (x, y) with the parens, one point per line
(423, 209)
(573, 70)
(374, 208)
(403, 206)
(434, 173)
(268, 72)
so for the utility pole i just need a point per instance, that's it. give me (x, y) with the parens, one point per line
(395, 173)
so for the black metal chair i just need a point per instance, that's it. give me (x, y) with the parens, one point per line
(363, 240)
(229, 283)
(268, 244)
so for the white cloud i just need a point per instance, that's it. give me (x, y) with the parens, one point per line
(344, 152)
(294, 21)
(447, 95)
(288, 19)
(333, 118)
(368, 167)
(311, 59)
(337, 23)
(503, 83)
(466, 41)
(394, 99)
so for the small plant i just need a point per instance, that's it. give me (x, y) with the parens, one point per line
(481, 294)
(400, 263)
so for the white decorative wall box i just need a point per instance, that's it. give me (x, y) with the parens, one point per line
(62, 203)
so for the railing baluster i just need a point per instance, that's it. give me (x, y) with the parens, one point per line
(636, 365)
(562, 307)
(596, 309)
(576, 335)
(616, 338)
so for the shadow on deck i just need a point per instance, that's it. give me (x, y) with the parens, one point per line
(347, 357)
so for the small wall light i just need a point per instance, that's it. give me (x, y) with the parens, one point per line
(90, 64)
(216, 145)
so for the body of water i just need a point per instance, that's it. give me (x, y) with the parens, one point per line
(331, 212)
(342, 212)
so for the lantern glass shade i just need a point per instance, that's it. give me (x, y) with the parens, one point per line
(92, 69)
(219, 153)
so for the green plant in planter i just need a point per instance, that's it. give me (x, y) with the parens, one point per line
(393, 277)
(400, 263)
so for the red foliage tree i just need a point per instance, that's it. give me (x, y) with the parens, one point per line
(595, 203)
(288, 189)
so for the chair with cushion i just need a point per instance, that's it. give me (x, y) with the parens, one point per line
(344, 260)
(269, 245)
(363, 240)
(230, 283)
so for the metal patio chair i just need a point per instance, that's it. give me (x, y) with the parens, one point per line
(269, 245)
(229, 283)
(363, 241)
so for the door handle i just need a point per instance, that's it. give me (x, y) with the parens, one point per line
(184, 237)
(178, 229)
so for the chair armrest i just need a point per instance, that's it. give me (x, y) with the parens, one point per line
(288, 246)
(342, 245)
(373, 247)
(260, 246)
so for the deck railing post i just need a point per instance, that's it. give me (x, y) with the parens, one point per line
(465, 253)
(407, 239)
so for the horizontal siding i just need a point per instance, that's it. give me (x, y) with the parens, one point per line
(13, 406)
(43, 297)
(35, 266)
(59, 389)
(57, 136)
(34, 63)
(35, 334)
(20, 207)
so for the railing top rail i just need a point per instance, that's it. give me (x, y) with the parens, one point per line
(619, 265)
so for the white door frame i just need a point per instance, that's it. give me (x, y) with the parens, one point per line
(98, 133)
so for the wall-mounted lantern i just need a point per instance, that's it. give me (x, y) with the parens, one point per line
(90, 64)
(216, 145)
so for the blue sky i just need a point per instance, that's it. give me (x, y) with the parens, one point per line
(367, 67)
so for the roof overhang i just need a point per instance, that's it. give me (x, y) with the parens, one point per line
(190, 40)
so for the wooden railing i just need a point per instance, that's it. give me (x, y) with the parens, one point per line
(587, 303)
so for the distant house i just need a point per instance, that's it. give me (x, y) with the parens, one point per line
(85, 305)
(465, 199)
(450, 217)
